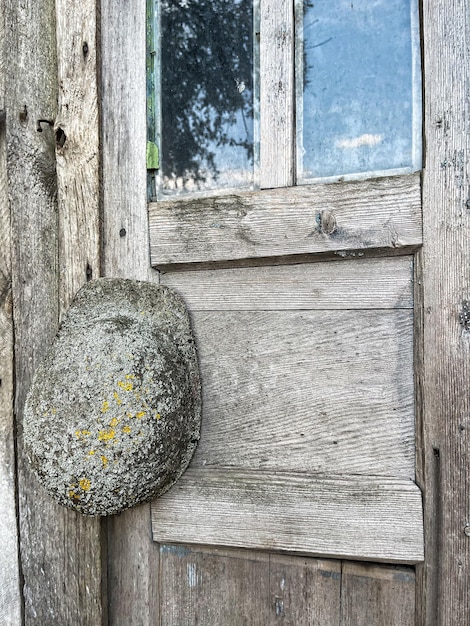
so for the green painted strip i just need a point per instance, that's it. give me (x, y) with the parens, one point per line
(153, 157)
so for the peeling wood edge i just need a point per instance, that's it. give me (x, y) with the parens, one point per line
(291, 259)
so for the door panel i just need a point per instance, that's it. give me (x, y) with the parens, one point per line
(308, 412)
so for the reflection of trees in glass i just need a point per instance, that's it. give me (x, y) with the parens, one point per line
(207, 83)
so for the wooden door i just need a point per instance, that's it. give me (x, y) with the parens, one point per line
(301, 299)
(306, 302)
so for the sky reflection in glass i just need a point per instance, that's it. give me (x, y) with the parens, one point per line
(358, 108)
(206, 125)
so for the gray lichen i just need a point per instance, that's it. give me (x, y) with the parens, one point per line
(113, 415)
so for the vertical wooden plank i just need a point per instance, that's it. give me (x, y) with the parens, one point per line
(132, 559)
(378, 595)
(78, 193)
(60, 551)
(444, 374)
(31, 94)
(10, 596)
(77, 148)
(126, 248)
(277, 93)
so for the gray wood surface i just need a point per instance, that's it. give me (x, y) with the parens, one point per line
(10, 595)
(235, 588)
(377, 595)
(277, 122)
(332, 285)
(382, 213)
(133, 562)
(59, 558)
(307, 391)
(77, 148)
(444, 324)
(353, 517)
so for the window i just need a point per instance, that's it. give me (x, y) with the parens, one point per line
(243, 96)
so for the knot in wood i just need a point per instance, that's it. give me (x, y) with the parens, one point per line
(327, 221)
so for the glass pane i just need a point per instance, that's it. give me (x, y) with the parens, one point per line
(207, 95)
(359, 97)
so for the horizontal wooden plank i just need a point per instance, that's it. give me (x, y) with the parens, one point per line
(307, 391)
(380, 213)
(382, 283)
(351, 517)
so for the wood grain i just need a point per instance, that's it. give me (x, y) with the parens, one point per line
(77, 148)
(307, 391)
(353, 517)
(133, 562)
(444, 272)
(124, 137)
(333, 285)
(10, 594)
(58, 548)
(374, 214)
(277, 94)
(233, 588)
(378, 595)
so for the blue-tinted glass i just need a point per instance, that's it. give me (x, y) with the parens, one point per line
(358, 110)
(206, 125)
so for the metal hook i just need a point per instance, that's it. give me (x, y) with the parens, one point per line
(39, 122)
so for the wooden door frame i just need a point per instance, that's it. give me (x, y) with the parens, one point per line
(95, 223)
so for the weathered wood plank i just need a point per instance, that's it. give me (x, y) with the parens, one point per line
(378, 595)
(124, 135)
(307, 391)
(233, 587)
(381, 213)
(133, 563)
(277, 94)
(353, 284)
(304, 591)
(77, 148)
(202, 587)
(57, 552)
(350, 516)
(444, 370)
(78, 193)
(10, 595)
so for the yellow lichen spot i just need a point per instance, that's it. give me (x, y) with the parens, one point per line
(54, 411)
(106, 435)
(85, 484)
(126, 429)
(130, 376)
(114, 422)
(73, 495)
(105, 406)
(140, 414)
(82, 433)
(127, 386)
(158, 416)
(104, 460)
(117, 398)
(91, 453)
